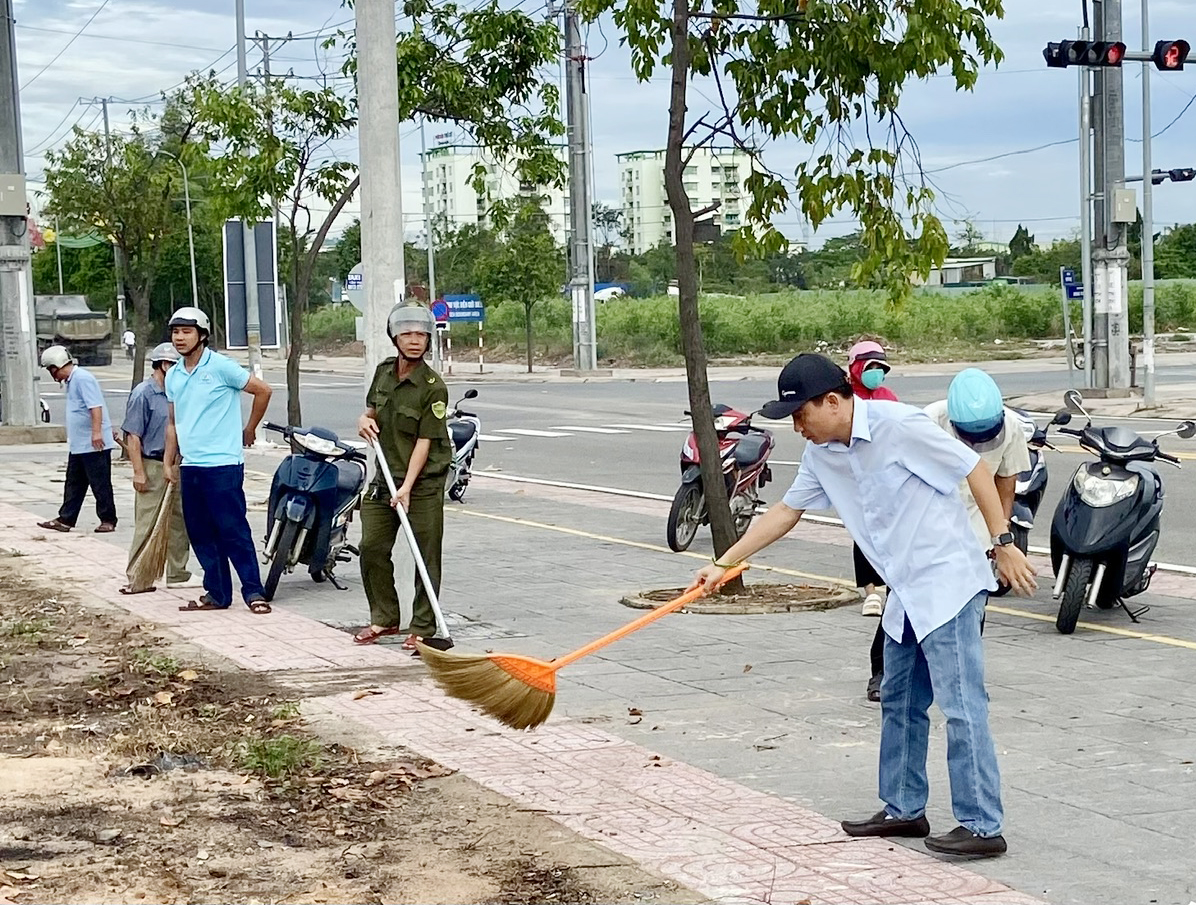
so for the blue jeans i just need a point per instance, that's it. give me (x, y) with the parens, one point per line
(948, 666)
(217, 523)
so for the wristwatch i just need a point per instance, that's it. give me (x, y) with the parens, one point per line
(1003, 540)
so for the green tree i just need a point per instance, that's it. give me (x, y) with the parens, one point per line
(1175, 253)
(813, 71)
(1042, 264)
(525, 267)
(1021, 244)
(120, 188)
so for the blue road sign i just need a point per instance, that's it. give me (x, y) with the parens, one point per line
(440, 310)
(1074, 290)
(465, 308)
(1069, 276)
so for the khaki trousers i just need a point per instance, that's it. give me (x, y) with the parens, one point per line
(178, 549)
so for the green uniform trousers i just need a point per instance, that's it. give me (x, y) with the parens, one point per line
(145, 507)
(380, 527)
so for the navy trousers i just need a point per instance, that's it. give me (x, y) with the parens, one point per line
(217, 523)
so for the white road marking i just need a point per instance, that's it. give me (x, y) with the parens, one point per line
(652, 427)
(491, 438)
(590, 430)
(529, 432)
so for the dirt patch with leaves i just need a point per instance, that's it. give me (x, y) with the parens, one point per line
(133, 769)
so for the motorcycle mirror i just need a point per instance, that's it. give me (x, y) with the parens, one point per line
(1187, 430)
(1063, 416)
(1074, 401)
(471, 394)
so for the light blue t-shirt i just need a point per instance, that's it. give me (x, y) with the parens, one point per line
(82, 395)
(896, 487)
(207, 410)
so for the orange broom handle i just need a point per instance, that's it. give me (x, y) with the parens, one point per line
(663, 610)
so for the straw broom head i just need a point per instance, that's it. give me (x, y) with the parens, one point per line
(150, 562)
(517, 691)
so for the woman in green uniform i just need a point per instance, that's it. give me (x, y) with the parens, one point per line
(405, 413)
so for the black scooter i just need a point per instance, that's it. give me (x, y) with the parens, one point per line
(314, 494)
(1106, 526)
(1031, 484)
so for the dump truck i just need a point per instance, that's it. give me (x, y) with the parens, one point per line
(66, 320)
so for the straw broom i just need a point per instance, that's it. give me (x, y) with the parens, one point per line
(150, 562)
(521, 691)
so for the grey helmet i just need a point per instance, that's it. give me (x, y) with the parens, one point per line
(163, 352)
(56, 357)
(407, 317)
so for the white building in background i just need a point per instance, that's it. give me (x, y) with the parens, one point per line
(448, 172)
(712, 174)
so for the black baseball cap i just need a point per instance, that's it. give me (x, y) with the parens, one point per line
(806, 377)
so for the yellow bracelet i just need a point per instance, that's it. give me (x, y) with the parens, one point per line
(723, 565)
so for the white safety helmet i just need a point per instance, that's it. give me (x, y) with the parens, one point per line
(404, 318)
(191, 317)
(56, 357)
(163, 352)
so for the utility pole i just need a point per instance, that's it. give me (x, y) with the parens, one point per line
(18, 365)
(430, 238)
(381, 193)
(1148, 396)
(581, 273)
(58, 253)
(253, 325)
(1086, 210)
(117, 257)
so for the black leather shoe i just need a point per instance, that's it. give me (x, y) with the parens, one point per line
(881, 824)
(435, 644)
(962, 841)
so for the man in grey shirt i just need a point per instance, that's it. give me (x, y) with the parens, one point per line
(145, 436)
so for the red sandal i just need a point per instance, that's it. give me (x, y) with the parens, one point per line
(369, 634)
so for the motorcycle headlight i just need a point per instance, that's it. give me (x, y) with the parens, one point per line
(321, 446)
(1099, 492)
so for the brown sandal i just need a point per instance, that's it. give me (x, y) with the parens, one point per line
(55, 525)
(369, 635)
(105, 528)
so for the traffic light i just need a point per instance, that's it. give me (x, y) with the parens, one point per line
(1180, 174)
(1170, 56)
(1085, 53)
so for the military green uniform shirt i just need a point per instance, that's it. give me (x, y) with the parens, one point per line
(409, 410)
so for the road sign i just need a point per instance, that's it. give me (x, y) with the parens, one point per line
(355, 287)
(1074, 291)
(269, 313)
(465, 308)
(440, 310)
(1069, 275)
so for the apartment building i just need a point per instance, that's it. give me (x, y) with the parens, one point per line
(712, 174)
(448, 172)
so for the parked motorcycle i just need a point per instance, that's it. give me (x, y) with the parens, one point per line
(465, 429)
(1031, 484)
(1107, 524)
(313, 496)
(744, 450)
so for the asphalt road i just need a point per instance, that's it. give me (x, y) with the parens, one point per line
(628, 434)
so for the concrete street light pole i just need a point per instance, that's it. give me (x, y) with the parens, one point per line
(381, 190)
(253, 325)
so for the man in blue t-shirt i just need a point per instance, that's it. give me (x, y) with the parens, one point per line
(90, 440)
(204, 391)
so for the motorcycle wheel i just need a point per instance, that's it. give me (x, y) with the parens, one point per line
(456, 493)
(1021, 538)
(684, 517)
(282, 553)
(1075, 589)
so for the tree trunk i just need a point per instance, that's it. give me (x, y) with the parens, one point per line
(299, 302)
(139, 298)
(722, 527)
(527, 323)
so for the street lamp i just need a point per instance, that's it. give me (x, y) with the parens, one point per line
(190, 232)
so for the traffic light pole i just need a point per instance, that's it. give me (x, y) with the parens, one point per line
(1148, 396)
(1086, 212)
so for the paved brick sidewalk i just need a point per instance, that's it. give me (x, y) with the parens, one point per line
(718, 837)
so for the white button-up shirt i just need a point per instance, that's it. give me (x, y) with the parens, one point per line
(896, 489)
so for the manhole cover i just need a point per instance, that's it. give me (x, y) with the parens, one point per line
(756, 598)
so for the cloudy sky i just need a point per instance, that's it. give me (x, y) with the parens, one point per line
(133, 49)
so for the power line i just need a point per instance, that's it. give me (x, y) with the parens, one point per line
(121, 38)
(48, 140)
(66, 46)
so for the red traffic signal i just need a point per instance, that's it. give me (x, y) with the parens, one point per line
(1170, 56)
(1083, 53)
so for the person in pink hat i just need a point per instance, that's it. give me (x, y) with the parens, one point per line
(867, 368)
